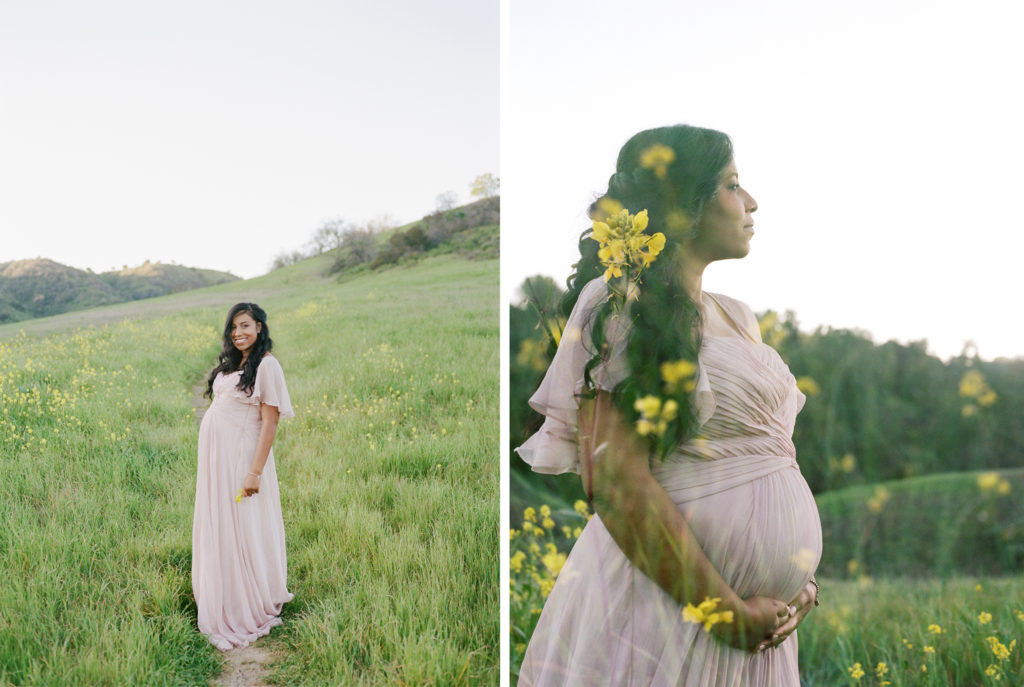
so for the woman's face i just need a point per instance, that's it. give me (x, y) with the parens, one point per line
(243, 331)
(727, 222)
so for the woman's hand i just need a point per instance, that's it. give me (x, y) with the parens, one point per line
(754, 623)
(802, 605)
(251, 485)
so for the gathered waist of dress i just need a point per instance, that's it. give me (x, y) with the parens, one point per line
(686, 478)
(233, 408)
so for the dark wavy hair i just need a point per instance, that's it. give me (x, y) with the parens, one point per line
(665, 322)
(230, 357)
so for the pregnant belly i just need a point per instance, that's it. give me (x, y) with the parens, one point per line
(763, 535)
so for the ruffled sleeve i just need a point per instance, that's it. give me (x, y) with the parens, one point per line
(553, 448)
(270, 387)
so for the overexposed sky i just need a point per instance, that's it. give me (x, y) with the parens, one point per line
(881, 140)
(219, 134)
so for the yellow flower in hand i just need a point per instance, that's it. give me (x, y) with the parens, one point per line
(238, 496)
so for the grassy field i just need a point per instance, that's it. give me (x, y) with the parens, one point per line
(900, 557)
(389, 480)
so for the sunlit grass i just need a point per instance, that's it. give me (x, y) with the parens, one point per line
(390, 462)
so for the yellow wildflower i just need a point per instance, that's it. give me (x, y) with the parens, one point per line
(856, 672)
(512, 534)
(554, 562)
(1000, 650)
(1002, 488)
(991, 671)
(566, 531)
(1019, 614)
(704, 613)
(545, 510)
(546, 585)
(808, 386)
(935, 629)
(984, 618)
(516, 561)
(238, 496)
(581, 507)
(877, 502)
(928, 649)
(978, 587)
(848, 463)
(577, 532)
(530, 515)
(987, 481)
(881, 669)
(607, 207)
(548, 523)
(673, 372)
(648, 406)
(657, 158)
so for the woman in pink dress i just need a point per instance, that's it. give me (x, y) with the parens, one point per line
(239, 567)
(703, 500)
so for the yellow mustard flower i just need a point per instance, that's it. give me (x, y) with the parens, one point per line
(238, 496)
(545, 510)
(991, 671)
(516, 561)
(984, 618)
(704, 613)
(935, 629)
(577, 532)
(856, 671)
(928, 649)
(808, 386)
(581, 507)
(1019, 614)
(530, 515)
(657, 158)
(548, 523)
(554, 562)
(546, 585)
(987, 481)
(674, 372)
(881, 669)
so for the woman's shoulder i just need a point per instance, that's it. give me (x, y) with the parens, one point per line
(269, 362)
(740, 313)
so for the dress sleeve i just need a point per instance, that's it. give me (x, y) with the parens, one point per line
(270, 387)
(553, 448)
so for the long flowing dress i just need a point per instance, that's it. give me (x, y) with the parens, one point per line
(739, 486)
(239, 567)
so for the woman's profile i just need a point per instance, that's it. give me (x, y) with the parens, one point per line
(239, 567)
(680, 421)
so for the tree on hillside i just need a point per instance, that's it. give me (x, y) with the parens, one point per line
(446, 201)
(484, 186)
(328, 236)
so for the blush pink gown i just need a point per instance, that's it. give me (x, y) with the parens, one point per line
(239, 567)
(605, 622)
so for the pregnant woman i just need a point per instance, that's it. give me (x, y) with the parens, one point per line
(239, 569)
(680, 421)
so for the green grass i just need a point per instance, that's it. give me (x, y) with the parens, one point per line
(388, 475)
(934, 525)
(867, 623)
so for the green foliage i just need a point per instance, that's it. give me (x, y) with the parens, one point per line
(888, 622)
(947, 524)
(470, 230)
(39, 288)
(391, 460)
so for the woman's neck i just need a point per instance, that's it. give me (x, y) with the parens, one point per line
(690, 273)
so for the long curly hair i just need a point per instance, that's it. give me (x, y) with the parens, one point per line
(665, 323)
(230, 358)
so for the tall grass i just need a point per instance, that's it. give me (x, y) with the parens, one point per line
(388, 475)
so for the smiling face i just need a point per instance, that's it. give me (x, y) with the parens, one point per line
(244, 330)
(727, 222)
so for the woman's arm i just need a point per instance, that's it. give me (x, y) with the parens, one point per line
(269, 415)
(651, 531)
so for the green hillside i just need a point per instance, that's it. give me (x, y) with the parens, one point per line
(389, 480)
(41, 287)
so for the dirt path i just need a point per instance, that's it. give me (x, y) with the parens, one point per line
(247, 667)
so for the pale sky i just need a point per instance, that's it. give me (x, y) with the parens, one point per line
(881, 140)
(219, 134)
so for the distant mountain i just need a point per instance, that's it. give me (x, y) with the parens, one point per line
(41, 287)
